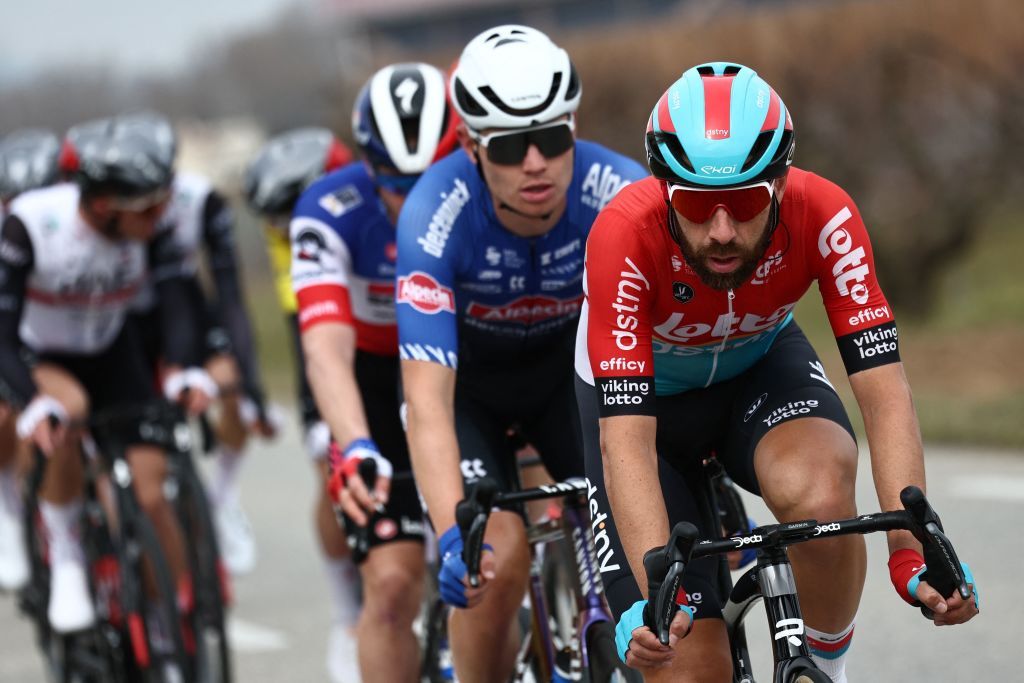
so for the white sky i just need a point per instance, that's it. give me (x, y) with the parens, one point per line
(134, 35)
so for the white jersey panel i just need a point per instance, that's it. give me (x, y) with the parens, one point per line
(81, 283)
(183, 217)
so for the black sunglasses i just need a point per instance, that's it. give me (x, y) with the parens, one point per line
(510, 148)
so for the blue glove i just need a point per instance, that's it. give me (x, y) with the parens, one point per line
(632, 619)
(453, 570)
(915, 580)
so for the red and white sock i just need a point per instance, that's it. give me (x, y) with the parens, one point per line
(828, 650)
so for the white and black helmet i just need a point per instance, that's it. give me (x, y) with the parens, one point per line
(287, 164)
(402, 120)
(514, 77)
(28, 159)
(126, 155)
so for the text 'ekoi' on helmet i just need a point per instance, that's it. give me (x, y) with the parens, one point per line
(402, 119)
(514, 77)
(719, 125)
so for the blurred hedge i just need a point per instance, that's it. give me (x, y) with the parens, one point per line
(914, 107)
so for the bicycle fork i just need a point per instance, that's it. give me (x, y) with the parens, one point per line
(772, 579)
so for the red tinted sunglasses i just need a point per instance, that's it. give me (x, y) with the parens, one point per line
(697, 204)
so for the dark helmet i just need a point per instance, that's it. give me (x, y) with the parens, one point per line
(719, 125)
(287, 164)
(402, 119)
(127, 155)
(28, 159)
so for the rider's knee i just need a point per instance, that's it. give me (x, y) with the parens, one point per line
(813, 477)
(701, 657)
(392, 594)
(151, 499)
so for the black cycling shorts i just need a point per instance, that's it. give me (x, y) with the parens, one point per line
(117, 377)
(378, 380)
(537, 399)
(727, 419)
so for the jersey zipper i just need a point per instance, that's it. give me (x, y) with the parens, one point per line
(721, 347)
(528, 283)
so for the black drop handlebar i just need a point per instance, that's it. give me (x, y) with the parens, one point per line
(665, 566)
(472, 513)
(359, 541)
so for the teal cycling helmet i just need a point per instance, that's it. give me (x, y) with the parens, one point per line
(719, 125)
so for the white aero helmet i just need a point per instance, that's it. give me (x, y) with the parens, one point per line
(513, 77)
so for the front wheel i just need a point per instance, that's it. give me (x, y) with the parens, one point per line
(605, 665)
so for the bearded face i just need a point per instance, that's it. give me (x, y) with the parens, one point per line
(722, 251)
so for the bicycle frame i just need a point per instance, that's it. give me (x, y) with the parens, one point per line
(573, 527)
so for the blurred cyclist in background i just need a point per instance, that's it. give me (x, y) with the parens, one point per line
(284, 167)
(28, 160)
(343, 271)
(200, 224)
(73, 256)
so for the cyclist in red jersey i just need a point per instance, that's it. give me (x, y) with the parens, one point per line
(687, 345)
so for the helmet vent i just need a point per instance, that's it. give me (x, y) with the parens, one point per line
(466, 101)
(675, 149)
(574, 83)
(487, 92)
(507, 40)
(757, 151)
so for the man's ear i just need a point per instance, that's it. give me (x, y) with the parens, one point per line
(100, 205)
(780, 185)
(469, 146)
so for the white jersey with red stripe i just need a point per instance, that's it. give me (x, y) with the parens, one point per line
(82, 283)
(343, 259)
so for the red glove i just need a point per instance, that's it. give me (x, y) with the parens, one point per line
(335, 472)
(905, 569)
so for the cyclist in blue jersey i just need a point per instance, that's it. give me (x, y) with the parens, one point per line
(343, 273)
(490, 266)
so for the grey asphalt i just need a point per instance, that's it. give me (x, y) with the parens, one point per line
(280, 619)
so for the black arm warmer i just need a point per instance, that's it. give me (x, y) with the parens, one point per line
(180, 325)
(218, 227)
(307, 404)
(16, 260)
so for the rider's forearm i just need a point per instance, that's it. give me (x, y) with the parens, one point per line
(179, 323)
(894, 438)
(329, 349)
(433, 445)
(634, 489)
(16, 258)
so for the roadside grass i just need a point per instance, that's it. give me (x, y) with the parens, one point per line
(966, 361)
